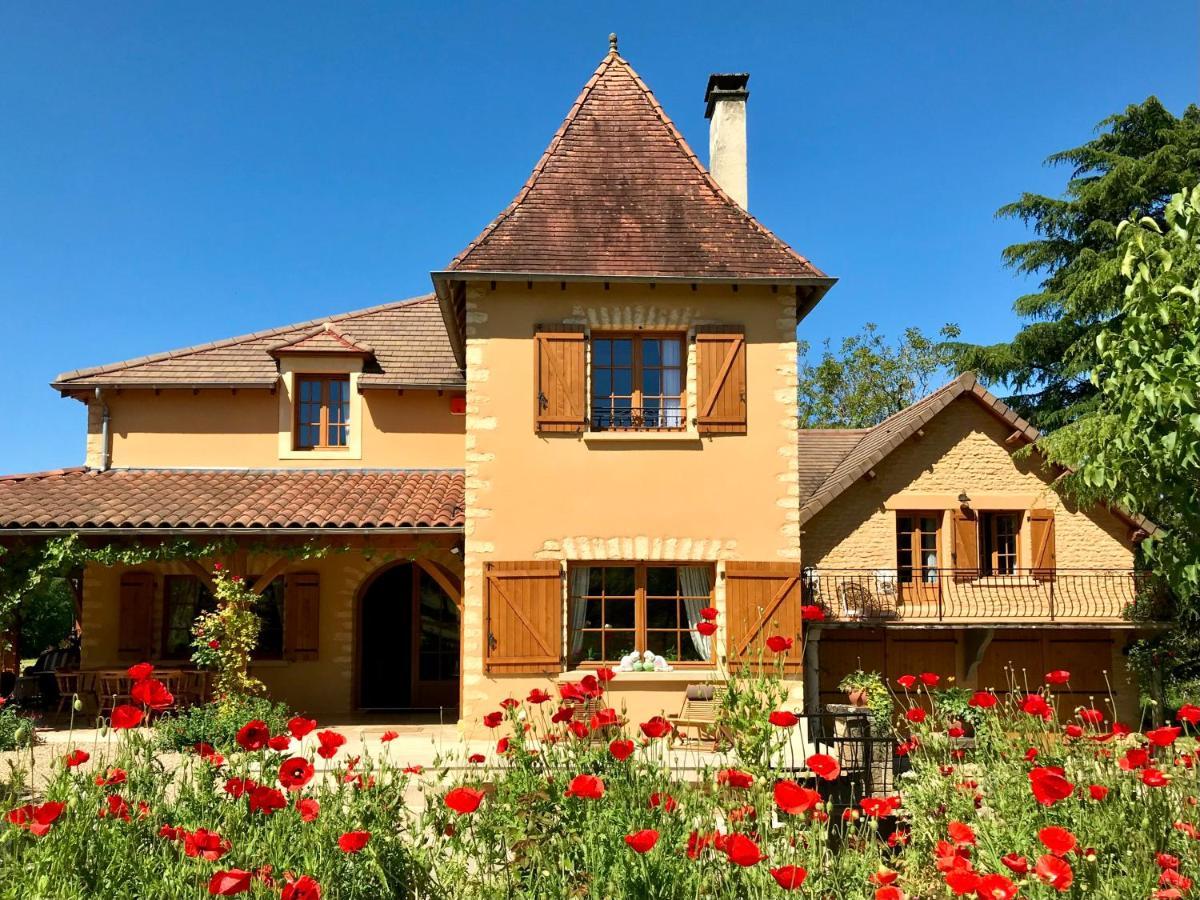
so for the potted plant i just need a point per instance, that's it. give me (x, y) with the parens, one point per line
(868, 690)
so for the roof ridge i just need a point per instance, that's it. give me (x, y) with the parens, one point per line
(229, 342)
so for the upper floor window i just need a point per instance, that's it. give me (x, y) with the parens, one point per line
(637, 382)
(322, 412)
(998, 533)
(917, 547)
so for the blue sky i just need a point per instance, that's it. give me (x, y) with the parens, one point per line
(172, 173)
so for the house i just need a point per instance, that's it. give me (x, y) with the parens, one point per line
(585, 435)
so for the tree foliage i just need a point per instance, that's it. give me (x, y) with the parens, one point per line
(867, 379)
(1139, 159)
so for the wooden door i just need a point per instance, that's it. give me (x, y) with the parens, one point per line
(918, 561)
(436, 641)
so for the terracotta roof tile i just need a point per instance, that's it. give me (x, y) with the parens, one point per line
(408, 340)
(619, 192)
(233, 498)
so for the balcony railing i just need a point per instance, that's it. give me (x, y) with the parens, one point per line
(638, 418)
(966, 596)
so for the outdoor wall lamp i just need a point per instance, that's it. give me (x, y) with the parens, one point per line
(964, 501)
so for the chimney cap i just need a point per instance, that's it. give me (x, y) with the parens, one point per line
(725, 86)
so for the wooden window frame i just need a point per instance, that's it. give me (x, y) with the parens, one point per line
(989, 554)
(165, 629)
(915, 564)
(640, 611)
(324, 424)
(637, 371)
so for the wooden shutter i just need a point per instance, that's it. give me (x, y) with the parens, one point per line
(966, 546)
(558, 399)
(721, 381)
(524, 618)
(762, 599)
(301, 615)
(136, 615)
(1041, 538)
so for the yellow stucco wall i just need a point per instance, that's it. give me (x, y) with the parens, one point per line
(963, 450)
(243, 430)
(565, 497)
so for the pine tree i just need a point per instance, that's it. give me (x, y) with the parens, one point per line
(1138, 160)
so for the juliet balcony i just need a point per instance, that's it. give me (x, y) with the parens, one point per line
(966, 597)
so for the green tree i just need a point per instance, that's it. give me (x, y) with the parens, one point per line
(868, 380)
(46, 615)
(1139, 159)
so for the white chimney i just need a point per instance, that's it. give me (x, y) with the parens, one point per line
(726, 98)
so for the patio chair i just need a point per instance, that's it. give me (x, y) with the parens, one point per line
(701, 706)
(112, 687)
(869, 597)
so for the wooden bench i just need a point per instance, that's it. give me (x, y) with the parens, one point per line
(701, 707)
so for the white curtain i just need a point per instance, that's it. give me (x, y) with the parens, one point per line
(672, 388)
(578, 588)
(696, 582)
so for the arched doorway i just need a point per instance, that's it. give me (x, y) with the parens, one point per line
(408, 642)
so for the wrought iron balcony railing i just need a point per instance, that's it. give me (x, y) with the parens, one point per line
(638, 418)
(966, 596)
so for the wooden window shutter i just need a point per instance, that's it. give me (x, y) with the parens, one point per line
(524, 618)
(721, 381)
(301, 615)
(136, 615)
(1041, 538)
(966, 546)
(762, 599)
(559, 401)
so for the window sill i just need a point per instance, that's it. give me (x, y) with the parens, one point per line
(642, 437)
(677, 676)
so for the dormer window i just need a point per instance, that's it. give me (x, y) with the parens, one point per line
(637, 382)
(322, 412)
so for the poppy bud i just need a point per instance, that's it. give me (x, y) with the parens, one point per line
(77, 704)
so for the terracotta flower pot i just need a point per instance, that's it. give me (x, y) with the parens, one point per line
(858, 697)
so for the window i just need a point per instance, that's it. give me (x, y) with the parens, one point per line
(998, 533)
(637, 382)
(185, 597)
(617, 609)
(438, 631)
(917, 547)
(322, 412)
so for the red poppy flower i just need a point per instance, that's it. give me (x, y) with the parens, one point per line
(330, 741)
(388, 737)
(303, 888)
(1049, 786)
(502, 746)
(1014, 862)
(464, 800)
(794, 799)
(709, 614)
(1163, 737)
(110, 777)
(1055, 872)
(1188, 713)
(308, 808)
(1091, 716)
(708, 629)
(742, 851)
(930, 679)
(229, 882)
(665, 802)
(126, 716)
(1031, 754)
(152, 693)
(789, 877)
(657, 727)
(962, 881)
(280, 742)
(777, 643)
(1154, 778)
(1166, 861)
(879, 807)
(810, 612)
(1073, 731)
(266, 799)
(1058, 841)
(141, 670)
(1036, 705)
(621, 749)
(824, 766)
(642, 841)
(605, 718)
(115, 807)
(563, 714)
(353, 841)
(75, 758)
(915, 714)
(36, 819)
(983, 700)
(1134, 758)
(908, 682)
(1097, 791)
(783, 718)
(579, 730)
(205, 844)
(889, 892)
(961, 833)
(235, 787)
(253, 735)
(298, 727)
(996, 887)
(587, 787)
(295, 773)
(883, 876)
(735, 778)
(1058, 676)
(605, 674)
(493, 719)
(476, 758)
(537, 695)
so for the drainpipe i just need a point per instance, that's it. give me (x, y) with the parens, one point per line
(105, 453)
